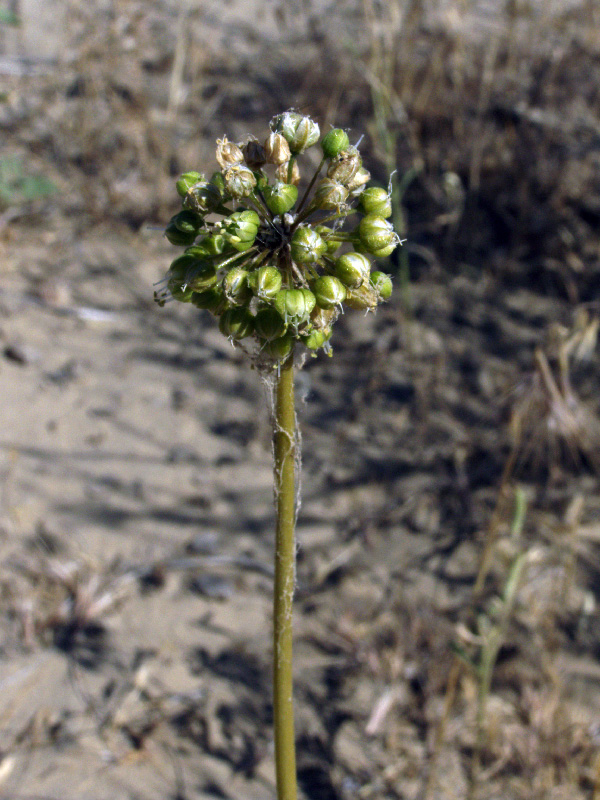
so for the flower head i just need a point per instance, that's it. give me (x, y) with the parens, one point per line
(277, 266)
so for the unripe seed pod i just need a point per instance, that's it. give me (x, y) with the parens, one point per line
(235, 286)
(382, 284)
(203, 198)
(186, 181)
(179, 292)
(228, 153)
(375, 200)
(334, 142)
(240, 229)
(239, 181)
(281, 173)
(364, 298)
(280, 348)
(212, 300)
(299, 132)
(199, 252)
(187, 221)
(329, 291)
(352, 269)
(214, 244)
(329, 195)
(317, 338)
(280, 197)
(307, 246)
(331, 242)
(294, 305)
(236, 323)
(217, 180)
(178, 237)
(254, 154)
(269, 324)
(180, 266)
(201, 276)
(265, 282)
(376, 233)
(344, 168)
(277, 149)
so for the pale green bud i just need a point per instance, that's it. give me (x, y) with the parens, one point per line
(377, 235)
(186, 181)
(295, 305)
(280, 197)
(201, 276)
(300, 132)
(352, 269)
(329, 291)
(329, 195)
(382, 284)
(334, 142)
(240, 229)
(235, 286)
(307, 246)
(375, 200)
(236, 323)
(265, 282)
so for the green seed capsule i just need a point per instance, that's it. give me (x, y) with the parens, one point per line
(178, 237)
(317, 338)
(269, 324)
(280, 348)
(352, 269)
(212, 300)
(201, 276)
(334, 142)
(202, 198)
(329, 195)
(294, 305)
(329, 291)
(236, 323)
(187, 221)
(239, 181)
(375, 200)
(265, 282)
(240, 229)
(307, 246)
(235, 286)
(281, 197)
(299, 132)
(186, 181)
(377, 234)
(382, 284)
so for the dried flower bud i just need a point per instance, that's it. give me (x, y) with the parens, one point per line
(357, 184)
(236, 323)
(228, 153)
(329, 195)
(377, 235)
(269, 324)
(375, 200)
(239, 181)
(281, 173)
(277, 149)
(300, 132)
(307, 246)
(265, 282)
(329, 291)
(364, 298)
(382, 284)
(255, 155)
(334, 142)
(344, 167)
(186, 181)
(281, 197)
(235, 286)
(352, 269)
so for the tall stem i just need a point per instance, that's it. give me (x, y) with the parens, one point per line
(285, 575)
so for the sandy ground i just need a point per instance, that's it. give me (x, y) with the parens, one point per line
(135, 473)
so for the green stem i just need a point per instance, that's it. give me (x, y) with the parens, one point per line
(285, 575)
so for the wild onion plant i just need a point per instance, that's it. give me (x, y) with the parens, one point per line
(276, 266)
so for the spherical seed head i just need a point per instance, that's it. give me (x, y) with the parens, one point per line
(334, 142)
(228, 153)
(239, 181)
(352, 269)
(277, 149)
(307, 246)
(329, 291)
(382, 284)
(375, 200)
(280, 197)
(186, 181)
(300, 132)
(377, 235)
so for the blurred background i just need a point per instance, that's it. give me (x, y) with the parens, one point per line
(449, 570)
